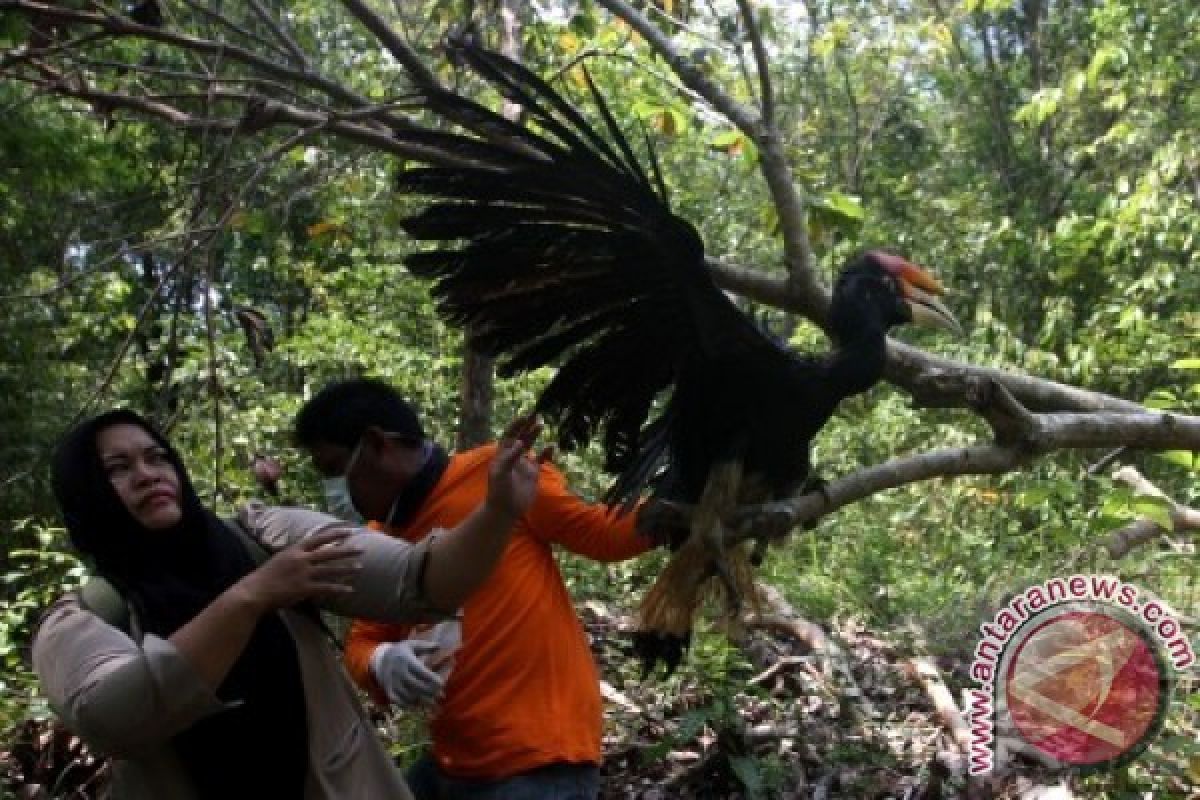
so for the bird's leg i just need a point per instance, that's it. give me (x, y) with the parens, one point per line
(669, 607)
(767, 520)
(718, 499)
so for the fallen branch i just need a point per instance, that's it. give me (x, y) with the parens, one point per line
(782, 617)
(784, 662)
(943, 702)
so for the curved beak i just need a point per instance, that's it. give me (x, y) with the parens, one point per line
(920, 290)
(930, 312)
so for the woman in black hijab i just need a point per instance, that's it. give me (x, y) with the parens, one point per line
(229, 693)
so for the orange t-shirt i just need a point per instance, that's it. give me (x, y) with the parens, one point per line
(524, 691)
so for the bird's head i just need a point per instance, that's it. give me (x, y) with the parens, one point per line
(893, 290)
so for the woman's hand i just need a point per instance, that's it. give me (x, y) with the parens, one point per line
(513, 478)
(320, 564)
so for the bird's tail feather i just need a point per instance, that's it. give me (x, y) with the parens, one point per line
(670, 607)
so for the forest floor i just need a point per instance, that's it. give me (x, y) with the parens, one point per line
(791, 710)
(787, 721)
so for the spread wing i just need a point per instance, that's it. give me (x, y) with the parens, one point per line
(555, 247)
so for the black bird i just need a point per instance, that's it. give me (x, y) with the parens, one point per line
(569, 255)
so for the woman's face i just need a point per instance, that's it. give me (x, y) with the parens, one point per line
(142, 474)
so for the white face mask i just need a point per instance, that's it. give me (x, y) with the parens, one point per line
(337, 493)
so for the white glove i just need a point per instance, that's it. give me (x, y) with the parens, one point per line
(401, 670)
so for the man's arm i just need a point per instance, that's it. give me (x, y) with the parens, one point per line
(463, 559)
(595, 531)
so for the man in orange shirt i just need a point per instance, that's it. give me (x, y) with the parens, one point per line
(519, 715)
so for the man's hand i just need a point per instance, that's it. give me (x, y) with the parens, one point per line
(513, 478)
(405, 671)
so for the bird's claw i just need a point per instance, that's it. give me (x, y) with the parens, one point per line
(665, 522)
(763, 519)
(815, 483)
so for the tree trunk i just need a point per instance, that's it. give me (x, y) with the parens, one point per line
(479, 372)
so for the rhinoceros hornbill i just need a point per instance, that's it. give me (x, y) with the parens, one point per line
(567, 254)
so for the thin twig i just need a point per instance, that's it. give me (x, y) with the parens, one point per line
(766, 94)
(279, 31)
(221, 19)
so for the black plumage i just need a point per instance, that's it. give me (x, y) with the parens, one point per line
(568, 254)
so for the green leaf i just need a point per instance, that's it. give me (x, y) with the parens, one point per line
(1186, 363)
(1155, 509)
(1183, 458)
(1031, 498)
(726, 140)
(837, 210)
(1161, 399)
(1042, 106)
(583, 24)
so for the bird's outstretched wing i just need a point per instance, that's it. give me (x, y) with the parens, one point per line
(566, 253)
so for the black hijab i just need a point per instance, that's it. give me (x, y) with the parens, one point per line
(259, 746)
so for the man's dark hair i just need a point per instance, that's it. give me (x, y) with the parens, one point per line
(342, 411)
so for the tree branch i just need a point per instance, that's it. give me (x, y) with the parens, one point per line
(259, 114)
(117, 26)
(766, 93)
(1031, 435)
(776, 520)
(810, 294)
(1142, 531)
(282, 35)
(395, 45)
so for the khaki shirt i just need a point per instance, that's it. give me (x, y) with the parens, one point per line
(126, 699)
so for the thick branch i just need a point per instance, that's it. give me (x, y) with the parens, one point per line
(1026, 436)
(1153, 431)
(936, 381)
(776, 520)
(117, 26)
